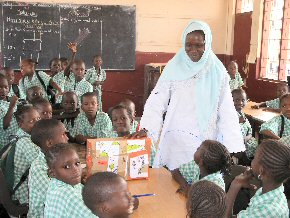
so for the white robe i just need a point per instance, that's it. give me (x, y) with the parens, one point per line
(179, 134)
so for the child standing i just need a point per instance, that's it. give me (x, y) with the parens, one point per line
(43, 107)
(210, 160)
(33, 93)
(240, 100)
(80, 85)
(131, 106)
(8, 72)
(64, 194)
(32, 78)
(45, 134)
(97, 76)
(206, 199)
(274, 105)
(278, 126)
(91, 123)
(25, 151)
(106, 195)
(236, 80)
(271, 166)
(8, 124)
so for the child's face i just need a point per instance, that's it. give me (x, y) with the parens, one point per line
(79, 71)
(281, 90)
(67, 168)
(121, 121)
(64, 65)
(10, 76)
(232, 69)
(285, 107)
(34, 93)
(120, 203)
(55, 66)
(256, 163)
(29, 119)
(26, 68)
(4, 88)
(45, 111)
(98, 62)
(240, 101)
(69, 103)
(59, 136)
(198, 154)
(90, 106)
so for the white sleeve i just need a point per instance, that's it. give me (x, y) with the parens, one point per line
(229, 131)
(154, 109)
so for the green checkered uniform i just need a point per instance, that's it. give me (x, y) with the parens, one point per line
(63, 82)
(134, 126)
(65, 201)
(274, 125)
(11, 93)
(80, 88)
(25, 153)
(38, 181)
(102, 127)
(237, 82)
(191, 173)
(274, 104)
(25, 83)
(68, 125)
(252, 144)
(93, 76)
(285, 140)
(13, 127)
(272, 204)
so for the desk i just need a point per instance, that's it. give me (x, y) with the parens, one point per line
(166, 203)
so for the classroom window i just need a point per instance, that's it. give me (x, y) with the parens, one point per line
(275, 56)
(243, 6)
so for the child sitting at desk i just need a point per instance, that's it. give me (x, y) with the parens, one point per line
(97, 76)
(43, 107)
(240, 100)
(236, 80)
(64, 194)
(270, 165)
(210, 160)
(206, 199)
(45, 134)
(106, 195)
(278, 126)
(33, 93)
(274, 105)
(91, 123)
(131, 106)
(25, 150)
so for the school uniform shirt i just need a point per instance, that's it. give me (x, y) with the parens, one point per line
(25, 153)
(237, 82)
(102, 127)
(252, 143)
(65, 201)
(92, 76)
(13, 127)
(63, 82)
(191, 173)
(134, 126)
(38, 182)
(272, 204)
(285, 140)
(25, 83)
(80, 88)
(12, 93)
(274, 125)
(274, 104)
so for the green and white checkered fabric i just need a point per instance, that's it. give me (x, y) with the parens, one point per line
(65, 201)
(272, 204)
(63, 82)
(25, 153)
(102, 127)
(38, 182)
(274, 125)
(216, 178)
(80, 88)
(285, 140)
(237, 82)
(274, 104)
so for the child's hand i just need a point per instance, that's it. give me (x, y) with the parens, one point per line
(243, 180)
(135, 203)
(140, 134)
(13, 101)
(255, 106)
(58, 94)
(242, 120)
(72, 46)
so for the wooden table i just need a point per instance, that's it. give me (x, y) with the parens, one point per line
(166, 203)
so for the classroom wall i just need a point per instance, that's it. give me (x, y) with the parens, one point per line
(159, 26)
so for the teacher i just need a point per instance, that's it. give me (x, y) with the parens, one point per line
(194, 92)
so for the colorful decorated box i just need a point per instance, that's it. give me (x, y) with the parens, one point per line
(129, 158)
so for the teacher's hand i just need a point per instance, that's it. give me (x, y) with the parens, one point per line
(140, 134)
